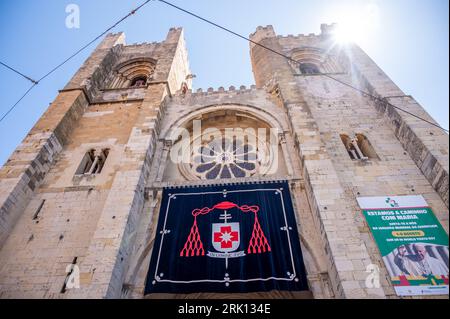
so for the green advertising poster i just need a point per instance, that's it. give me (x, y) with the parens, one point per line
(412, 242)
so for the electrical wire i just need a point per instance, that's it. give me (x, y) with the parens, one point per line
(21, 74)
(132, 12)
(297, 62)
(15, 104)
(95, 39)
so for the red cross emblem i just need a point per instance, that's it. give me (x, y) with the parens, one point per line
(226, 237)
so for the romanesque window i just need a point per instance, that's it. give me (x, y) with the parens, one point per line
(92, 162)
(309, 60)
(309, 68)
(133, 73)
(358, 147)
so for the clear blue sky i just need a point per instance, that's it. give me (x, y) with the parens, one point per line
(409, 42)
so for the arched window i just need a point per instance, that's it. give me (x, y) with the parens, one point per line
(138, 81)
(134, 73)
(92, 162)
(309, 68)
(311, 60)
(358, 147)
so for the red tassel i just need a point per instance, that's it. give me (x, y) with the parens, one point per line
(193, 245)
(258, 241)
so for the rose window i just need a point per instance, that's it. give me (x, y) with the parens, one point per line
(224, 158)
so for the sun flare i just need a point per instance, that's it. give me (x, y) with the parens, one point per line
(355, 24)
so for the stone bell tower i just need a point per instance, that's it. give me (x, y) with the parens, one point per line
(72, 191)
(351, 145)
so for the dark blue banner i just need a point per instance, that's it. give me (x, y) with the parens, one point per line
(232, 238)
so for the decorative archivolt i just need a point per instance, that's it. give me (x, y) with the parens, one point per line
(266, 115)
(229, 144)
(324, 62)
(134, 71)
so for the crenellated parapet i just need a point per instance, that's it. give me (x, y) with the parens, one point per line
(220, 90)
(242, 95)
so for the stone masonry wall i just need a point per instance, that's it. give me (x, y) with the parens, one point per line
(92, 219)
(427, 145)
(320, 110)
(179, 110)
(108, 256)
(347, 256)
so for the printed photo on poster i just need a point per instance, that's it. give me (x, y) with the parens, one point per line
(412, 242)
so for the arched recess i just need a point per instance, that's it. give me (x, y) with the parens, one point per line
(247, 153)
(127, 72)
(325, 62)
(189, 115)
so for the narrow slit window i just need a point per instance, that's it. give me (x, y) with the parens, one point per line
(38, 210)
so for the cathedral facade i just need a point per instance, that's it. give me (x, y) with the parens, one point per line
(82, 194)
